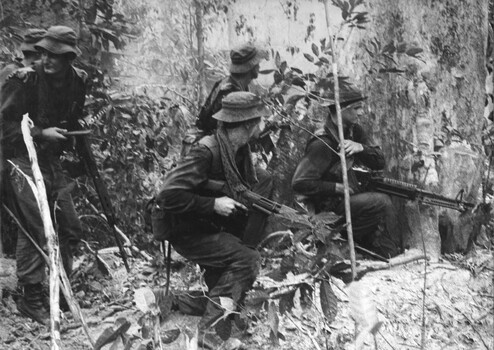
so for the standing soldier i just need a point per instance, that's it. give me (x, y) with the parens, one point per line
(53, 93)
(244, 68)
(29, 52)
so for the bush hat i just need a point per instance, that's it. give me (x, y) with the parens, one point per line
(241, 106)
(244, 58)
(59, 40)
(349, 94)
(31, 37)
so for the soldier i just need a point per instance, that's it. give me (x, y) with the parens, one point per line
(244, 68)
(29, 52)
(208, 227)
(53, 93)
(318, 176)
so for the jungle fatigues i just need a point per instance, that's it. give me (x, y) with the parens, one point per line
(29, 90)
(318, 172)
(221, 88)
(222, 246)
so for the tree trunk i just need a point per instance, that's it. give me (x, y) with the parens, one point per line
(438, 101)
(200, 51)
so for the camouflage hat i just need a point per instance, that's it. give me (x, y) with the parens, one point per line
(59, 40)
(31, 37)
(244, 58)
(241, 106)
(349, 94)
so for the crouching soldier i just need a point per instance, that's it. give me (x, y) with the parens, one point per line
(217, 231)
(318, 176)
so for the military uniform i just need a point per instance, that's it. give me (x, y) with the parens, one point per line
(215, 242)
(318, 173)
(30, 90)
(244, 65)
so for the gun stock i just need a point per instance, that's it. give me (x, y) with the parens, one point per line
(378, 183)
(83, 149)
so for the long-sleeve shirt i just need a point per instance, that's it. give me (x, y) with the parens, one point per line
(29, 90)
(315, 175)
(185, 197)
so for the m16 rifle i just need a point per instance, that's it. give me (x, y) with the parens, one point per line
(375, 181)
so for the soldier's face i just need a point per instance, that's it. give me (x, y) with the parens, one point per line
(54, 64)
(351, 114)
(258, 129)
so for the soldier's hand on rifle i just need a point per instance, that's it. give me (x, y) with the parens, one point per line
(340, 189)
(227, 206)
(53, 134)
(352, 147)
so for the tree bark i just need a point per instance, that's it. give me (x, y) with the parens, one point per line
(436, 100)
(200, 50)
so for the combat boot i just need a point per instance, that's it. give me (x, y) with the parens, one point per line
(31, 304)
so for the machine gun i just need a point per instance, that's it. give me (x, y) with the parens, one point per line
(83, 149)
(374, 181)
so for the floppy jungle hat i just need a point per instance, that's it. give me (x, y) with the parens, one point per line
(241, 106)
(244, 58)
(59, 40)
(31, 37)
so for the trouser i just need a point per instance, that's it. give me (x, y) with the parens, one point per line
(230, 269)
(229, 260)
(368, 210)
(22, 202)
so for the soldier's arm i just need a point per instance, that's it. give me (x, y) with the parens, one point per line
(13, 107)
(371, 155)
(307, 179)
(179, 194)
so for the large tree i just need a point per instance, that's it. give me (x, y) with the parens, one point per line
(428, 119)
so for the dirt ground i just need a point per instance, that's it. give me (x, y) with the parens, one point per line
(455, 312)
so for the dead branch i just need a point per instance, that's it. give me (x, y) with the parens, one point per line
(67, 291)
(51, 237)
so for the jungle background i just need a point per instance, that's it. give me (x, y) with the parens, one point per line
(426, 68)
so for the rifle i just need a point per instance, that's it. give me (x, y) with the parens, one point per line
(374, 181)
(263, 204)
(83, 149)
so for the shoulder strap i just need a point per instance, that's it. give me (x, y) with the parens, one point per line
(212, 144)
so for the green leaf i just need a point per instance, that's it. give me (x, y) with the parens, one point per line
(277, 60)
(308, 57)
(329, 302)
(315, 49)
(145, 299)
(283, 66)
(323, 44)
(401, 47)
(324, 60)
(414, 51)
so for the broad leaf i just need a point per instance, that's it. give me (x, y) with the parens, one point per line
(309, 58)
(315, 49)
(329, 302)
(145, 299)
(414, 51)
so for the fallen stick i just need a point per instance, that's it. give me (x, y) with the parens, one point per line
(365, 267)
